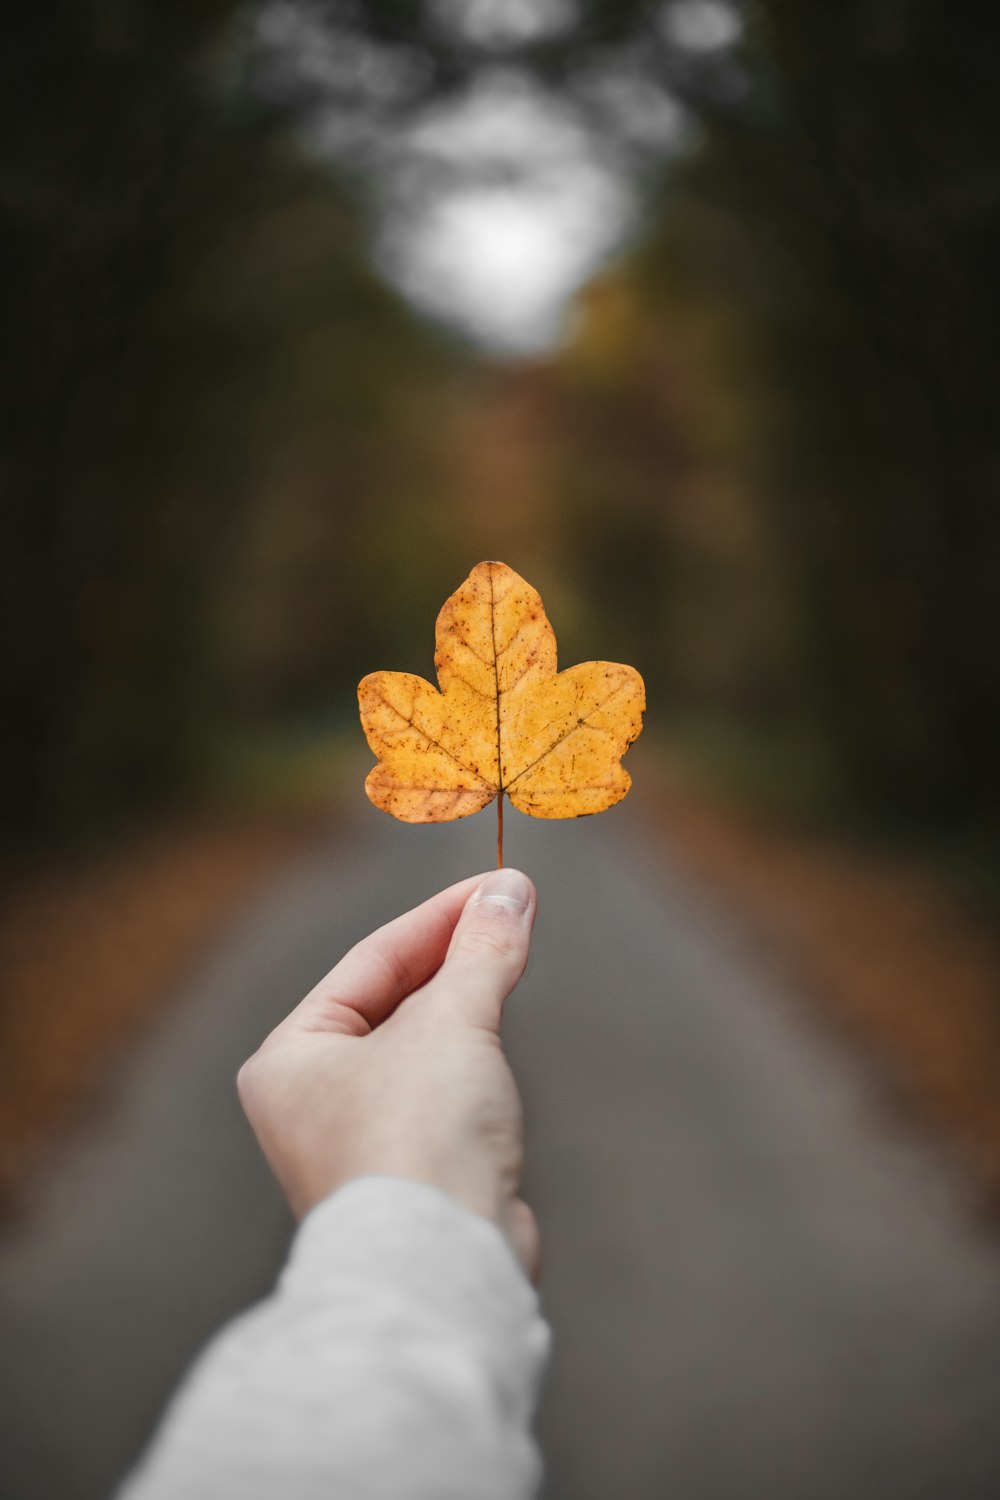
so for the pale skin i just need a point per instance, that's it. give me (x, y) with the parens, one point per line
(393, 1065)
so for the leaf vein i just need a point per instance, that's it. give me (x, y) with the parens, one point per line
(580, 724)
(471, 686)
(431, 740)
(496, 679)
(456, 635)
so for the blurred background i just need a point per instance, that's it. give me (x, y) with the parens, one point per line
(688, 311)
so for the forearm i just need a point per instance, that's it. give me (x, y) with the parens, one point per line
(399, 1359)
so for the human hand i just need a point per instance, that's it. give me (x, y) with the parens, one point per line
(392, 1065)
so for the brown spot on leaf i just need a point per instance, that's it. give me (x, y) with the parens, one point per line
(447, 753)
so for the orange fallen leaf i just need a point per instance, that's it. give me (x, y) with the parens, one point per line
(505, 722)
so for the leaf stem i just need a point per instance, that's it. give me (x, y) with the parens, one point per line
(500, 831)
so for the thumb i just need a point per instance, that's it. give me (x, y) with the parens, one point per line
(489, 948)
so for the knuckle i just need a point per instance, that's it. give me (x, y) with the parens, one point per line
(254, 1075)
(247, 1078)
(496, 941)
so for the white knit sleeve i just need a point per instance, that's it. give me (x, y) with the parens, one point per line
(399, 1358)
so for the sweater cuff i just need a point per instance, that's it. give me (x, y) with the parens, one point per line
(436, 1259)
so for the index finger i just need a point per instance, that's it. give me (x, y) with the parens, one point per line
(376, 974)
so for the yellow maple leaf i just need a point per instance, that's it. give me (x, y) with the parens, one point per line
(505, 722)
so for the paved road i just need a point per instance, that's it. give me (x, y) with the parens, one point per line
(757, 1290)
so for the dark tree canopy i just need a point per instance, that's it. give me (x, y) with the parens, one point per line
(215, 418)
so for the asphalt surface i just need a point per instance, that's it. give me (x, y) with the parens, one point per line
(759, 1287)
